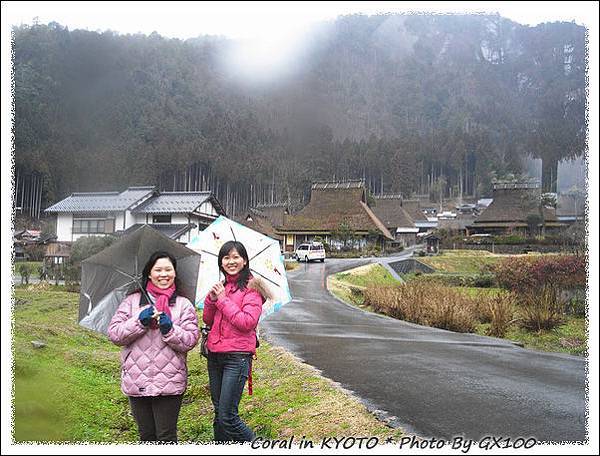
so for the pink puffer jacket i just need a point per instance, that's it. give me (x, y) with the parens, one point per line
(233, 318)
(153, 364)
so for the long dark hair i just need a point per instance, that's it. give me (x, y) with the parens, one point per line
(245, 272)
(152, 261)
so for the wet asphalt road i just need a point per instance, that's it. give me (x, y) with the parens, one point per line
(435, 383)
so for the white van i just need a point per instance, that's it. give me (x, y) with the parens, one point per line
(309, 252)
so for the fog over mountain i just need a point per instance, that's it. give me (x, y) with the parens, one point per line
(410, 103)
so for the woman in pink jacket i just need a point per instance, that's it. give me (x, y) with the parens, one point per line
(232, 310)
(156, 329)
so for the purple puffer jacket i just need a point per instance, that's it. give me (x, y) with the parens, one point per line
(153, 364)
(233, 318)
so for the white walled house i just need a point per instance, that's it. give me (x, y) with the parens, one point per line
(179, 215)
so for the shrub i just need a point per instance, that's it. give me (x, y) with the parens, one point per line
(35, 252)
(501, 310)
(85, 247)
(484, 280)
(25, 271)
(511, 239)
(541, 309)
(72, 276)
(576, 303)
(521, 274)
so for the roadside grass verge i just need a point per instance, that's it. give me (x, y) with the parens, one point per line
(484, 311)
(349, 286)
(570, 337)
(69, 390)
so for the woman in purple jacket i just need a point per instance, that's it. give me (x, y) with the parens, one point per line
(232, 310)
(156, 329)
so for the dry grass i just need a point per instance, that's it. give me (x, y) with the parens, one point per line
(440, 307)
(541, 309)
(501, 311)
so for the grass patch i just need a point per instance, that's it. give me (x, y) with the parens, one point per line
(349, 286)
(69, 390)
(570, 337)
(462, 261)
(364, 276)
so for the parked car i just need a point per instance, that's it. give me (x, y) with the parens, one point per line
(309, 252)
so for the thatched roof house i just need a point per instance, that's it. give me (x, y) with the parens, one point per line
(274, 212)
(513, 203)
(259, 221)
(331, 206)
(389, 209)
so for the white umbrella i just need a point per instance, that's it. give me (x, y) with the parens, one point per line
(266, 261)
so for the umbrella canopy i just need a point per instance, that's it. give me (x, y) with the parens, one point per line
(264, 253)
(108, 276)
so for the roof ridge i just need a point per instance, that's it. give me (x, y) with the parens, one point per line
(389, 196)
(184, 192)
(94, 193)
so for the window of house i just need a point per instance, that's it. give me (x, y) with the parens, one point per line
(88, 226)
(161, 218)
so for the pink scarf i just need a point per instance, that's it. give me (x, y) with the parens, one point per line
(162, 296)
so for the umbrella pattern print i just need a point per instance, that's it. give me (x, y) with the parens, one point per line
(264, 253)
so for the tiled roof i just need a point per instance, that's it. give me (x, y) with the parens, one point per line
(388, 209)
(101, 201)
(173, 203)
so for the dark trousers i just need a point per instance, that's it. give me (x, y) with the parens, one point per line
(156, 417)
(227, 373)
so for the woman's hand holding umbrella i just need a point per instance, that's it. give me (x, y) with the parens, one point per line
(150, 313)
(147, 315)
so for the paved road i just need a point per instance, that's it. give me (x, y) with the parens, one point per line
(435, 383)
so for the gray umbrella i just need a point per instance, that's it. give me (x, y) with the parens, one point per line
(113, 273)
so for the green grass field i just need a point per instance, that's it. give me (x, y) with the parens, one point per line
(69, 390)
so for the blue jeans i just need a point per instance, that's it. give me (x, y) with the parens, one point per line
(227, 374)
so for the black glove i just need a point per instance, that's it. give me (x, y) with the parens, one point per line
(146, 315)
(164, 323)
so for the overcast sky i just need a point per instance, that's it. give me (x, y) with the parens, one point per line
(250, 19)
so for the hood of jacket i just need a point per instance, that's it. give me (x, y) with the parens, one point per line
(258, 284)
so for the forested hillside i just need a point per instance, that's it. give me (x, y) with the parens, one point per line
(414, 104)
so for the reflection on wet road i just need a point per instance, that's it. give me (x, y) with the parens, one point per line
(436, 383)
